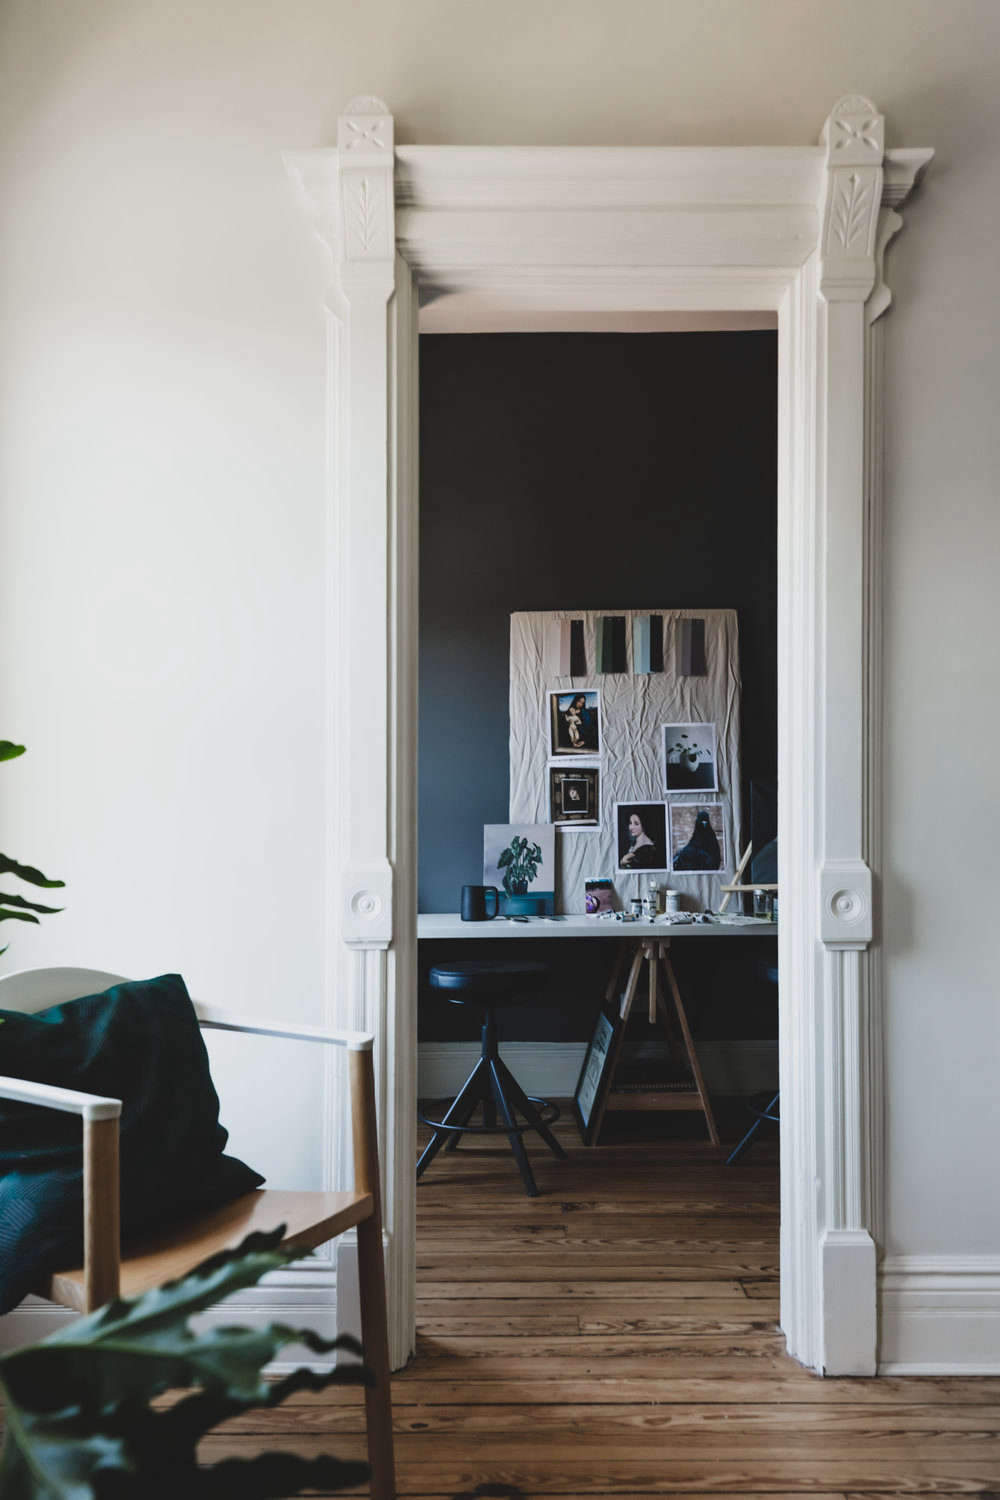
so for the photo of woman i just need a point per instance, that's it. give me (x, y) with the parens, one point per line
(642, 835)
(697, 836)
(575, 722)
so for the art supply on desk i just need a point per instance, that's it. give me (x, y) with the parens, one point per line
(673, 903)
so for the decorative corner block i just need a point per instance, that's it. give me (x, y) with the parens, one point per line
(366, 906)
(845, 892)
(854, 137)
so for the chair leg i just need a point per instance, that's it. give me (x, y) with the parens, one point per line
(375, 1342)
(748, 1139)
(528, 1110)
(454, 1136)
(516, 1143)
(477, 1083)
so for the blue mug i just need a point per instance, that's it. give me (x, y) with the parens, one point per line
(475, 899)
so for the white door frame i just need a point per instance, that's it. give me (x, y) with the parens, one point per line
(581, 233)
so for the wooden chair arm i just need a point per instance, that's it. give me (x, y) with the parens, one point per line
(215, 1019)
(90, 1106)
(101, 1207)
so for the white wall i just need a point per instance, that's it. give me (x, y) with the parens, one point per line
(161, 384)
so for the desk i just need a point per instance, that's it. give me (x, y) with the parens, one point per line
(646, 941)
(443, 925)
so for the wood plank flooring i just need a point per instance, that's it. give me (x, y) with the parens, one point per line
(618, 1337)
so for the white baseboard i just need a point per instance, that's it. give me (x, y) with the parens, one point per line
(551, 1069)
(301, 1296)
(940, 1315)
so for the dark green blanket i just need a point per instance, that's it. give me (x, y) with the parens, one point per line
(138, 1042)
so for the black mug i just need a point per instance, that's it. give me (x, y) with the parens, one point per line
(474, 902)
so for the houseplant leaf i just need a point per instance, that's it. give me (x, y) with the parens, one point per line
(26, 872)
(7, 899)
(79, 1423)
(10, 751)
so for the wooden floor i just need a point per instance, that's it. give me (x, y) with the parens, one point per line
(617, 1336)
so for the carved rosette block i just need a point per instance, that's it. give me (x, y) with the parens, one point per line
(854, 137)
(846, 904)
(366, 160)
(366, 918)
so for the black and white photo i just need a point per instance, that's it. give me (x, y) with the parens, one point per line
(690, 762)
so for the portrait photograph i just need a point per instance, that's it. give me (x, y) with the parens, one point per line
(697, 837)
(689, 758)
(642, 835)
(575, 797)
(575, 722)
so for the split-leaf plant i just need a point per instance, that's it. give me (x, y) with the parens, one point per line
(14, 908)
(520, 862)
(81, 1423)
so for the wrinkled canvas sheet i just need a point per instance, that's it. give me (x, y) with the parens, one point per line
(633, 711)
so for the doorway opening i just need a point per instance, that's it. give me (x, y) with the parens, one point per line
(609, 471)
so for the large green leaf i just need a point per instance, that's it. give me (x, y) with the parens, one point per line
(10, 751)
(10, 866)
(6, 899)
(80, 1426)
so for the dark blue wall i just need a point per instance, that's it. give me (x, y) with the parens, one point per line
(575, 471)
(579, 471)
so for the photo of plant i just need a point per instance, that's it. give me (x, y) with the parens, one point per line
(689, 758)
(519, 859)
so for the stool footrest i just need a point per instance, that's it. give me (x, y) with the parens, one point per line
(545, 1118)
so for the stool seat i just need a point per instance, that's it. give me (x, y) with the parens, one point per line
(471, 979)
(491, 1087)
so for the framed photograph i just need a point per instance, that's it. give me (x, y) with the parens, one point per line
(575, 796)
(697, 837)
(641, 829)
(599, 895)
(595, 1075)
(520, 860)
(575, 722)
(690, 763)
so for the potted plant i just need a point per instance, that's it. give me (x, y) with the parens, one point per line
(83, 1408)
(520, 862)
(14, 908)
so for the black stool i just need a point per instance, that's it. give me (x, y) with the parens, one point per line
(489, 983)
(771, 1111)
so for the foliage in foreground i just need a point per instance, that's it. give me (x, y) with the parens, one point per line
(14, 908)
(79, 1421)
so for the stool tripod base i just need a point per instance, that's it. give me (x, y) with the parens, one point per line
(493, 1086)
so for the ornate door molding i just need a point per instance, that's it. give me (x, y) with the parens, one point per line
(584, 232)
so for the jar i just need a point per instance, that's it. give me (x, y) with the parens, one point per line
(636, 906)
(762, 904)
(673, 903)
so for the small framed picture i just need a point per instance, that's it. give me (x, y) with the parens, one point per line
(642, 835)
(690, 763)
(575, 796)
(595, 1075)
(599, 895)
(697, 837)
(575, 722)
(519, 859)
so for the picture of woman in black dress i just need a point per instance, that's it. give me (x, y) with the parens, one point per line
(642, 836)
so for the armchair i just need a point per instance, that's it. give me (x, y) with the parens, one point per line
(311, 1218)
